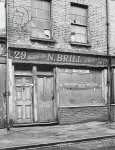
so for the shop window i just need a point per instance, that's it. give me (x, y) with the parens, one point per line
(79, 14)
(41, 12)
(82, 87)
(2, 19)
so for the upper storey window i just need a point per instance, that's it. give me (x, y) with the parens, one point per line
(41, 17)
(79, 15)
(2, 19)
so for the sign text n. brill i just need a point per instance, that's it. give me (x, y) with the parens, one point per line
(63, 58)
(79, 59)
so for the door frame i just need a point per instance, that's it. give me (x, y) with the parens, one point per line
(33, 74)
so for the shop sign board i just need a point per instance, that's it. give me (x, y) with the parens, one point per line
(113, 61)
(58, 57)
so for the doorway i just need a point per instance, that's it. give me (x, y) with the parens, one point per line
(23, 100)
(45, 99)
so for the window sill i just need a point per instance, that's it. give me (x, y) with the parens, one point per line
(75, 24)
(42, 40)
(80, 44)
(84, 106)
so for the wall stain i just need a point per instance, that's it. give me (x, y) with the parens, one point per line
(21, 19)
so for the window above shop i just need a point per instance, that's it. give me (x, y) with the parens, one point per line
(41, 19)
(79, 15)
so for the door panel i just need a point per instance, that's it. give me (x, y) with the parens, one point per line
(45, 100)
(19, 112)
(23, 103)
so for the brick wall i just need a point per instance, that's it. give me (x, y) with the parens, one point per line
(20, 25)
(2, 18)
(2, 73)
(72, 115)
(112, 26)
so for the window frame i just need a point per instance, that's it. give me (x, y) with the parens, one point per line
(42, 39)
(80, 25)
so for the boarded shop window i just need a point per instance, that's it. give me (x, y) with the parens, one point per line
(2, 18)
(81, 87)
(41, 19)
(79, 23)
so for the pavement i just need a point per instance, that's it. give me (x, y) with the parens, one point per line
(34, 136)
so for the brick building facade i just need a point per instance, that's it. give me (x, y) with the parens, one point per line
(57, 62)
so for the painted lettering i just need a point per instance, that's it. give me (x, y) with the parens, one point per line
(65, 58)
(60, 57)
(17, 54)
(78, 59)
(50, 57)
(70, 58)
(20, 54)
(73, 59)
(23, 55)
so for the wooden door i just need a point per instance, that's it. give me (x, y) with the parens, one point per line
(23, 103)
(45, 100)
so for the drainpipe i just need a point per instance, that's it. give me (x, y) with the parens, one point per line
(108, 64)
(7, 88)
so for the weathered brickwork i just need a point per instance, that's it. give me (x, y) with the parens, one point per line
(2, 84)
(111, 17)
(2, 75)
(20, 23)
(73, 115)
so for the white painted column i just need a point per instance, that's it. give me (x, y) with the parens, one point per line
(35, 101)
(11, 87)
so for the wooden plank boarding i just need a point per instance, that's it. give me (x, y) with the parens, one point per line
(35, 102)
(46, 113)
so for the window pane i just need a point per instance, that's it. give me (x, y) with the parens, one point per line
(79, 11)
(78, 29)
(40, 13)
(78, 34)
(2, 18)
(81, 38)
(78, 19)
(41, 4)
(46, 5)
(41, 24)
(79, 15)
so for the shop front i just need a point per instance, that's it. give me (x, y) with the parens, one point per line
(49, 87)
(82, 95)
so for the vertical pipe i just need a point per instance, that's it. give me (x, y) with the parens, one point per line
(7, 90)
(108, 64)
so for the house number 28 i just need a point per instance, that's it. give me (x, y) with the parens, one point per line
(20, 55)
